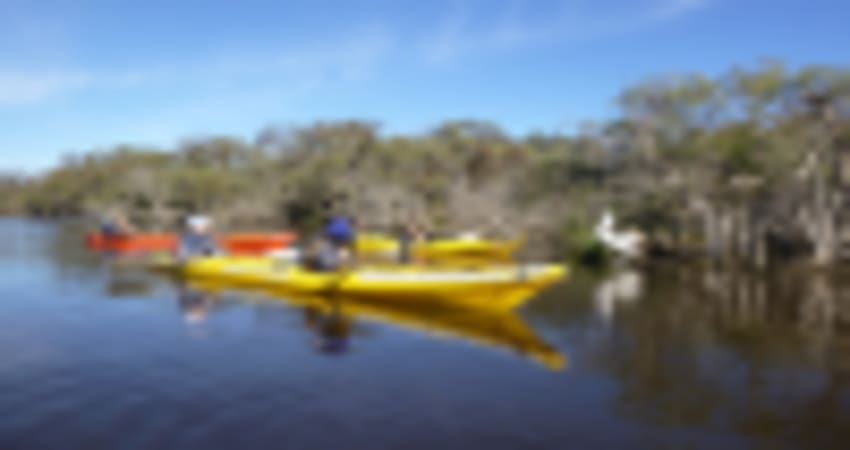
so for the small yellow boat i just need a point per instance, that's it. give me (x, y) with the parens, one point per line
(440, 249)
(496, 287)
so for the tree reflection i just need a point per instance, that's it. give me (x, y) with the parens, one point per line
(762, 354)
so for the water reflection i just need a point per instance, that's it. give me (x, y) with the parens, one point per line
(64, 249)
(195, 304)
(332, 328)
(763, 354)
(332, 320)
(619, 290)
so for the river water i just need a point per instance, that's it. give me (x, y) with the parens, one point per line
(97, 354)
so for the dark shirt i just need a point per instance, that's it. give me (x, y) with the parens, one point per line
(109, 229)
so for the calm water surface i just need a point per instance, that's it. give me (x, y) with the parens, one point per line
(94, 354)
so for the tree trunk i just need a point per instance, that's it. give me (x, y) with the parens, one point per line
(711, 228)
(824, 237)
(760, 256)
(727, 231)
(743, 236)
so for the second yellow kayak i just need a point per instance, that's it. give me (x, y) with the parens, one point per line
(470, 249)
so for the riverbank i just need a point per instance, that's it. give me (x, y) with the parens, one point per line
(751, 165)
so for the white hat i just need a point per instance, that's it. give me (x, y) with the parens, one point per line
(199, 222)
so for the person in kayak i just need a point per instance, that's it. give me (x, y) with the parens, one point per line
(198, 240)
(408, 235)
(108, 228)
(340, 232)
(334, 248)
(115, 225)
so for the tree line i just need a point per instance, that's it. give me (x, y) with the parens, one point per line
(753, 165)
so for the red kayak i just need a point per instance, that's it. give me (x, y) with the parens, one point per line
(136, 242)
(240, 243)
(256, 243)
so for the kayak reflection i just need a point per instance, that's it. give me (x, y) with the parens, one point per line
(332, 319)
(332, 328)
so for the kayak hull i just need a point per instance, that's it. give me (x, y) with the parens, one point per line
(132, 242)
(496, 288)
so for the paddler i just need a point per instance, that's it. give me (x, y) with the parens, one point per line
(408, 235)
(115, 225)
(198, 240)
(334, 249)
(340, 232)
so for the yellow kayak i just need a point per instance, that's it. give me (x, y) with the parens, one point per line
(495, 287)
(377, 244)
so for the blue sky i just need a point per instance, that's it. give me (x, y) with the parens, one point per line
(83, 75)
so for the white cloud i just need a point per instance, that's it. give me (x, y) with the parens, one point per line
(350, 58)
(20, 88)
(458, 35)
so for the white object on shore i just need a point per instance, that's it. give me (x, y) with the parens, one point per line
(628, 243)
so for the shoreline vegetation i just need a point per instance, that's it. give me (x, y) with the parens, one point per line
(751, 166)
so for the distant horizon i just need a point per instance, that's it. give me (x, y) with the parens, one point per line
(77, 77)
